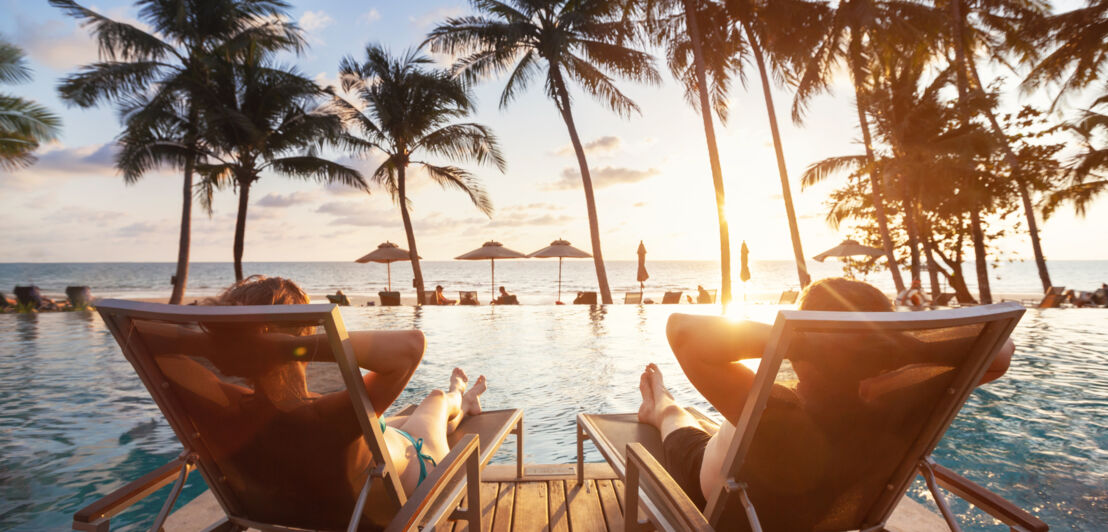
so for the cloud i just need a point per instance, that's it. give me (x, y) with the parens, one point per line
(315, 20)
(530, 207)
(60, 43)
(601, 177)
(144, 229)
(369, 16)
(545, 220)
(286, 200)
(602, 145)
(639, 204)
(435, 16)
(90, 159)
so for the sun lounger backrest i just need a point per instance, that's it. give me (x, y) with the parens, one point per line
(269, 401)
(844, 407)
(632, 298)
(468, 297)
(788, 297)
(389, 299)
(671, 298)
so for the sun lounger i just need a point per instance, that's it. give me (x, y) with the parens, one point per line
(585, 298)
(80, 297)
(339, 299)
(227, 381)
(468, 298)
(31, 298)
(1053, 297)
(389, 299)
(671, 298)
(788, 297)
(875, 439)
(943, 300)
(707, 298)
(632, 298)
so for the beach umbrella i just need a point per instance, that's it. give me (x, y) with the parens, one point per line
(386, 253)
(491, 250)
(642, 275)
(561, 249)
(744, 258)
(849, 248)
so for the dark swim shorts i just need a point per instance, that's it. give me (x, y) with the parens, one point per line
(684, 454)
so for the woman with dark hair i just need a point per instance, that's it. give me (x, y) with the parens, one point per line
(709, 350)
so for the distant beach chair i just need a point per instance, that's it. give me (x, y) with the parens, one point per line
(585, 298)
(468, 298)
(80, 297)
(339, 299)
(31, 298)
(1053, 297)
(671, 298)
(632, 298)
(788, 297)
(389, 299)
(943, 300)
(709, 296)
(5, 302)
(861, 479)
(275, 469)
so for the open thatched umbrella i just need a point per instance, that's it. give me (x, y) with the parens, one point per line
(387, 253)
(561, 249)
(849, 248)
(491, 250)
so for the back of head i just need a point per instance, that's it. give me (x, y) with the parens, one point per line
(845, 295)
(261, 290)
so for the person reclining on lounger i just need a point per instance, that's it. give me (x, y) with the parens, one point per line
(441, 299)
(709, 349)
(505, 298)
(321, 424)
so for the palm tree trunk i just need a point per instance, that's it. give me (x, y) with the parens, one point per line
(877, 184)
(782, 172)
(713, 152)
(417, 272)
(980, 258)
(240, 226)
(1013, 164)
(910, 227)
(586, 182)
(180, 279)
(933, 267)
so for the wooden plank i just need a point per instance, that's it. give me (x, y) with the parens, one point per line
(610, 504)
(489, 492)
(620, 488)
(585, 512)
(559, 512)
(532, 512)
(504, 502)
(507, 472)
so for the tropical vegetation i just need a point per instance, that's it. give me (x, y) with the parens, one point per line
(24, 124)
(406, 111)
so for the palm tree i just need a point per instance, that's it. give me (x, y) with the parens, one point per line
(1089, 170)
(24, 124)
(1080, 54)
(258, 117)
(172, 62)
(565, 40)
(854, 31)
(1005, 18)
(407, 111)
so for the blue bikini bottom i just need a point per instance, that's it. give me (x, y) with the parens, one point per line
(418, 444)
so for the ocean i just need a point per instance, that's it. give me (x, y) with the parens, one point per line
(535, 281)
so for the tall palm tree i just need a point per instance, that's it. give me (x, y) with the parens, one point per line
(24, 124)
(853, 33)
(1089, 169)
(1007, 18)
(171, 61)
(567, 41)
(1079, 57)
(258, 117)
(406, 110)
(677, 26)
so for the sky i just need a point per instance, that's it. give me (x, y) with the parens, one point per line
(650, 171)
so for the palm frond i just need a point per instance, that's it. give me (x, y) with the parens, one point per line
(821, 170)
(462, 180)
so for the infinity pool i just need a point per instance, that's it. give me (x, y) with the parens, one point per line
(75, 422)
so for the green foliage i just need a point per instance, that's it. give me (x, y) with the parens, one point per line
(24, 124)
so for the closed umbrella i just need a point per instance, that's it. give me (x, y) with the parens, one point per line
(491, 250)
(561, 249)
(387, 253)
(744, 258)
(642, 275)
(849, 248)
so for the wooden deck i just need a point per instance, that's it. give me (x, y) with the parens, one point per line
(548, 499)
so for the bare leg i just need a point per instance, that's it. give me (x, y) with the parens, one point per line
(659, 407)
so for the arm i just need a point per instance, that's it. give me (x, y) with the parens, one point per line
(708, 349)
(391, 358)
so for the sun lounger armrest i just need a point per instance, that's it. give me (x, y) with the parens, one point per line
(644, 471)
(463, 460)
(993, 504)
(92, 516)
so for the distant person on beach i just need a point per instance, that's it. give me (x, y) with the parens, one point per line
(1100, 296)
(316, 425)
(912, 297)
(440, 298)
(708, 347)
(505, 298)
(702, 295)
(468, 298)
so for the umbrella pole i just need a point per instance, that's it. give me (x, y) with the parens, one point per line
(492, 289)
(388, 268)
(559, 278)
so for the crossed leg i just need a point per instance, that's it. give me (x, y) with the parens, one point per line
(659, 408)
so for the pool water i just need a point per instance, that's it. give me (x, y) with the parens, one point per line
(75, 421)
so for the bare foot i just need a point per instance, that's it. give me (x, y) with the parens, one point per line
(471, 400)
(646, 410)
(657, 384)
(458, 381)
